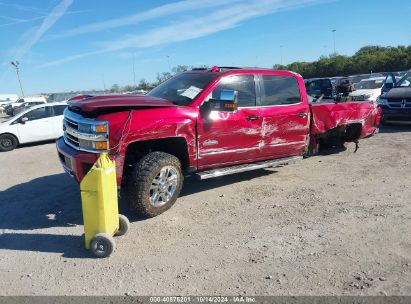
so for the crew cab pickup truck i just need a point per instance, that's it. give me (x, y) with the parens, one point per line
(206, 123)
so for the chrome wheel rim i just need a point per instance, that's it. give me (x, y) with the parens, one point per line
(163, 186)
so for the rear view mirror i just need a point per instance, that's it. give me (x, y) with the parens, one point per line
(228, 101)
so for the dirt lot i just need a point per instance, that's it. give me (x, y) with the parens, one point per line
(334, 224)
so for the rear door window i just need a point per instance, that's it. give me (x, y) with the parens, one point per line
(280, 90)
(58, 110)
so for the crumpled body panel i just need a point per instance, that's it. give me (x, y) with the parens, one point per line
(328, 116)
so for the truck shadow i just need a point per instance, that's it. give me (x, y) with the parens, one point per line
(70, 246)
(193, 185)
(49, 201)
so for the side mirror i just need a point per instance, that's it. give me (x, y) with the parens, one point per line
(23, 120)
(228, 101)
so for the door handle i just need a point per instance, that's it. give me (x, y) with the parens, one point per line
(253, 117)
(302, 114)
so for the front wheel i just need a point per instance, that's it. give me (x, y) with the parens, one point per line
(155, 184)
(102, 245)
(8, 142)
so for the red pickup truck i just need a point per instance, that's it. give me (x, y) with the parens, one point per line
(206, 122)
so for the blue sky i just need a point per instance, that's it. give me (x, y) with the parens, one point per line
(65, 45)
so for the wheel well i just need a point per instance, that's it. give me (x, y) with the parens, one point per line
(11, 135)
(176, 146)
(341, 134)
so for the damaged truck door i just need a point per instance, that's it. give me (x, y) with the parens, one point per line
(226, 137)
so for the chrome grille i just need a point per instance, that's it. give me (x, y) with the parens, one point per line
(399, 103)
(79, 132)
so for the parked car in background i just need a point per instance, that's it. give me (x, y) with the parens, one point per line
(38, 123)
(343, 85)
(28, 99)
(395, 104)
(320, 86)
(368, 89)
(357, 78)
(7, 98)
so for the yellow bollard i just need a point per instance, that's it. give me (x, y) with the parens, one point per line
(100, 207)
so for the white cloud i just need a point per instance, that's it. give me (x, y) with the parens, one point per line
(19, 21)
(155, 13)
(222, 19)
(56, 13)
(33, 35)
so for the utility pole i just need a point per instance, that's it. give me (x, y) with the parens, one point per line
(104, 83)
(134, 71)
(335, 52)
(16, 66)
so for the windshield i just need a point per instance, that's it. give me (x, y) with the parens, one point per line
(369, 84)
(183, 88)
(405, 81)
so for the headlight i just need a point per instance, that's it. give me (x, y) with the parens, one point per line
(382, 101)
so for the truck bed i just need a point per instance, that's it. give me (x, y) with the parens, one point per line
(329, 115)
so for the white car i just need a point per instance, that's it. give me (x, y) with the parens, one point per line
(38, 123)
(368, 89)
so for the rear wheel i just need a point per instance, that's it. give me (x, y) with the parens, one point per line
(155, 183)
(124, 224)
(8, 142)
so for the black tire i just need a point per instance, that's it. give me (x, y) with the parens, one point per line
(124, 225)
(142, 177)
(102, 245)
(8, 142)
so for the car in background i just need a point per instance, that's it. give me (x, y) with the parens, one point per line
(22, 107)
(343, 85)
(395, 102)
(38, 123)
(5, 99)
(357, 78)
(367, 89)
(28, 99)
(317, 87)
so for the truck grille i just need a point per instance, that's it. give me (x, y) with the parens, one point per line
(399, 103)
(79, 132)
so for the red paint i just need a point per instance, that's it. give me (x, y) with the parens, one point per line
(220, 138)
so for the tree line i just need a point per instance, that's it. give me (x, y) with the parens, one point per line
(369, 59)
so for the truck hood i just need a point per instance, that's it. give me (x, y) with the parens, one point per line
(366, 92)
(103, 102)
(398, 93)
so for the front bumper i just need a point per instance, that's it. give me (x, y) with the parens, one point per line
(394, 115)
(76, 163)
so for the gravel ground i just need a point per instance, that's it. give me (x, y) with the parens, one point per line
(335, 224)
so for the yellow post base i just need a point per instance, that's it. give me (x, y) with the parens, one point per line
(99, 199)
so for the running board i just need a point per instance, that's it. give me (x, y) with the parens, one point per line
(246, 167)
